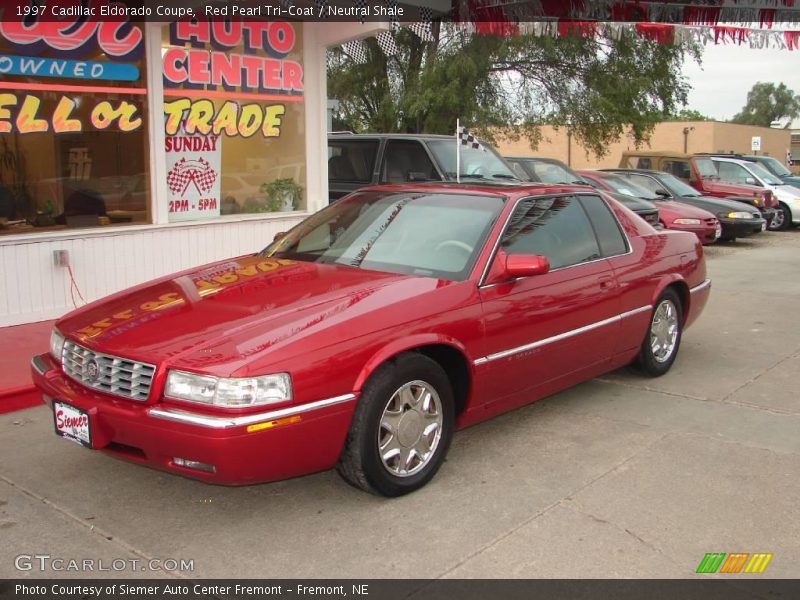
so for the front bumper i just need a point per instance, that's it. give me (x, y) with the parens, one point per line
(732, 228)
(243, 449)
(707, 234)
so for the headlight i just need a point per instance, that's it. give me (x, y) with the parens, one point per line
(687, 221)
(737, 215)
(56, 344)
(229, 392)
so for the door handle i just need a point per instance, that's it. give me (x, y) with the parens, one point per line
(606, 283)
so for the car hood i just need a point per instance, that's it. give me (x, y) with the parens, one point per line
(246, 306)
(731, 189)
(791, 180)
(679, 210)
(717, 205)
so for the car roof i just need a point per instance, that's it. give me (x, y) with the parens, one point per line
(630, 170)
(516, 188)
(346, 135)
(658, 153)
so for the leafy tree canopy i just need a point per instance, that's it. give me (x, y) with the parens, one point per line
(687, 114)
(510, 85)
(766, 103)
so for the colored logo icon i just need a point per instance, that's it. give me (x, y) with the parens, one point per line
(735, 562)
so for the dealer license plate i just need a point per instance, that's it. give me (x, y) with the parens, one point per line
(764, 226)
(72, 423)
(718, 232)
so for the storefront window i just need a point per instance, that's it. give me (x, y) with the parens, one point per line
(234, 118)
(73, 132)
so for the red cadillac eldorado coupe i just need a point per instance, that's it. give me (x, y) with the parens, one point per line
(370, 332)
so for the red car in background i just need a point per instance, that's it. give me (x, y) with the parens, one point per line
(370, 332)
(672, 215)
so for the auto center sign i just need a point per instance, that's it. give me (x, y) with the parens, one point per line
(201, 60)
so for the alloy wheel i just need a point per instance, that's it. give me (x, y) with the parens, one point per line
(664, 331)
(410, 429)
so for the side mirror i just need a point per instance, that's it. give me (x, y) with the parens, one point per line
(279, 236)
(526, 265)
(751, 181)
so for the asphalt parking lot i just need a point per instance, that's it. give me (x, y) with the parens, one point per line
(619, 477)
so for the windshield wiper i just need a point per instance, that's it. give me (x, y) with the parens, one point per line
(504, 176)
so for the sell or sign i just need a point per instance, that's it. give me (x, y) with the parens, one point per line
(755, 143)
(23, 114)
(193, 175)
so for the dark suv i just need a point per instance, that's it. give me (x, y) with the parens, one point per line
(358, 160)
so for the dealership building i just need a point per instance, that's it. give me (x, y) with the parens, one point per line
(99, 192)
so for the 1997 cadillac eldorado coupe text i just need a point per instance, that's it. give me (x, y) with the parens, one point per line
(371, 331)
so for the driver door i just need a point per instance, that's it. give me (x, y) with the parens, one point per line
(559, 324)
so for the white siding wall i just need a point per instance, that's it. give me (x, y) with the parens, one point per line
(33, 289)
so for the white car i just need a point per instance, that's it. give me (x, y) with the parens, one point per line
(735, 170)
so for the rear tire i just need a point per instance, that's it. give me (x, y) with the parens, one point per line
(663, 338)
(401, 428)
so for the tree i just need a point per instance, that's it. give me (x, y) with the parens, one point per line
(766, 103)
(511, 85)
(687, 114)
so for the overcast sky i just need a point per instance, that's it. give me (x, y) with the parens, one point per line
(720, 86)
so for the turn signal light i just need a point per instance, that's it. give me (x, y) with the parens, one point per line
(193, 464)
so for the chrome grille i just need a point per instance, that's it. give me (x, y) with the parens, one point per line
(114, 375)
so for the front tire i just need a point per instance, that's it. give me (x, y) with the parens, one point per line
(782, 218)
(660, 345)
(401, 428)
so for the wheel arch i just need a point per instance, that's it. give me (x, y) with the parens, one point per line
(681, 288)
(447, 352)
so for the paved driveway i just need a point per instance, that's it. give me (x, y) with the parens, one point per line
(619, 477)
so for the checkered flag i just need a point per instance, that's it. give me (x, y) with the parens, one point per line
(423, 28)
(204, 176)
(360, 5)
(178, 178)
(469, 140)
(387, 43)
(392, 4)
(356, 51)
(322, 8)
(286, 3)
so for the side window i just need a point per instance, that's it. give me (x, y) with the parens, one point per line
(679, 168)
(606, 227)
(557, 228)
(351, 160)
(519, 170)
(406, 160)
(732, 172)
(646, 182)
(642, 163)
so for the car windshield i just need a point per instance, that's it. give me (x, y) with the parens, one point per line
(706, 168)
(628, 188)
(764, 175)
(775, 166)
(417, 233)
(481, 164)
(678, 187)
(548, 172)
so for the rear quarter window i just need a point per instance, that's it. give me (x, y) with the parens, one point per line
(606, 228)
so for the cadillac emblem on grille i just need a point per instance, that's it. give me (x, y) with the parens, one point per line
(92, 371)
